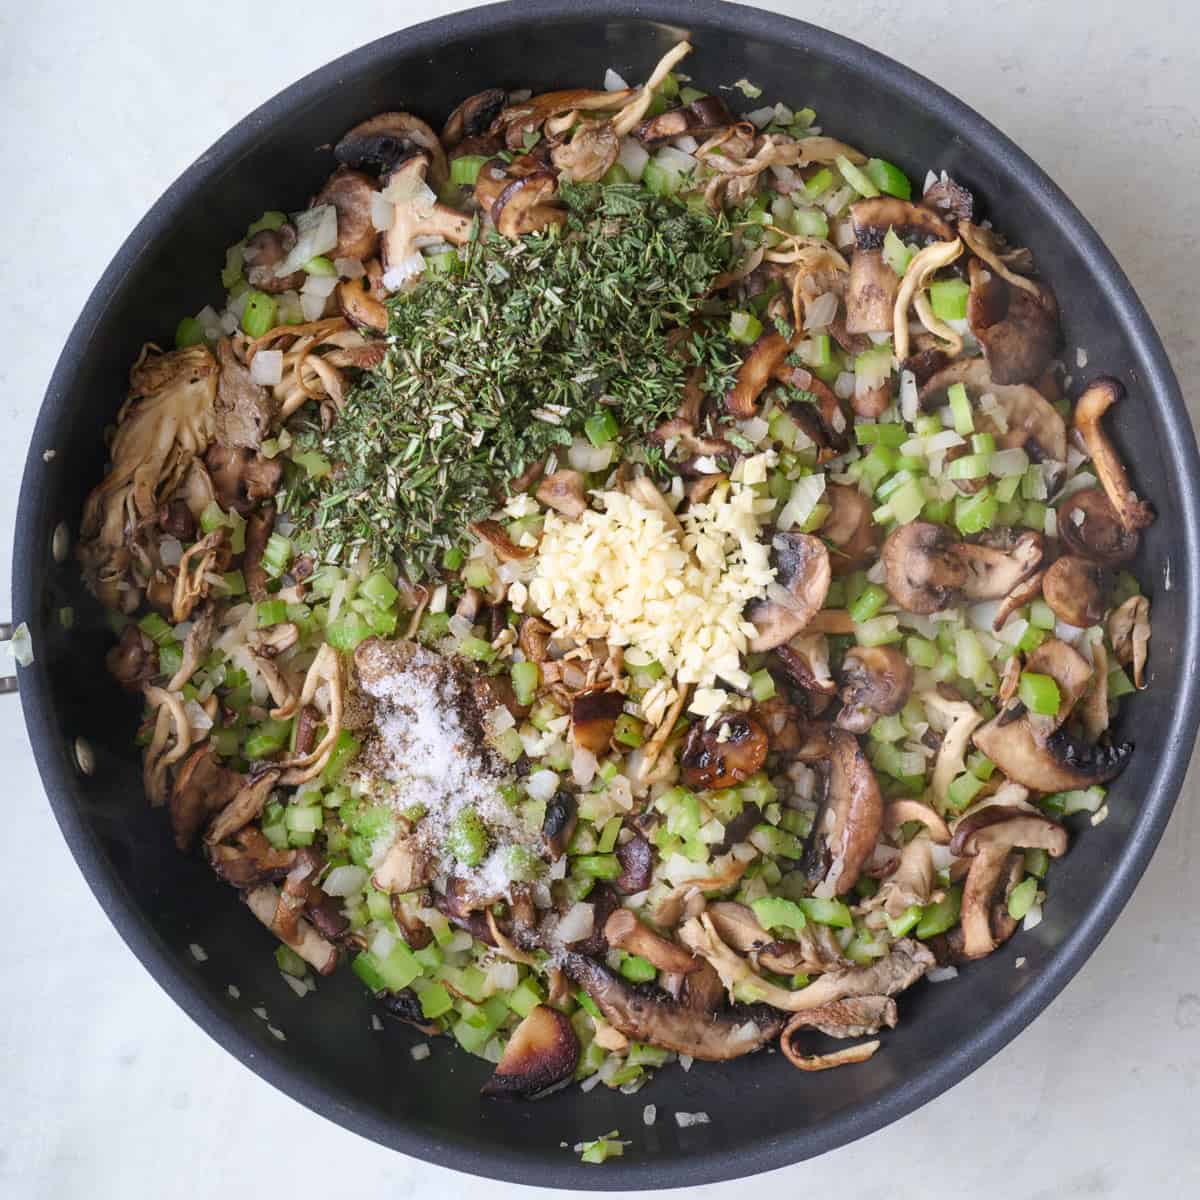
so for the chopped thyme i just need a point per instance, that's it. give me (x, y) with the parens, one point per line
(491, 367)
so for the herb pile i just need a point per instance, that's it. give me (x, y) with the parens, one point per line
(493, 366)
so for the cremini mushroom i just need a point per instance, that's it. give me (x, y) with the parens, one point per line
(352, 194)
(850, 819)
(1089, 526)
(474, 117)
(900, 812)
(924, 575)
(653, 1016)
(795, 596)
(852, 536)
(1129, 633)
(698, 119)
(1076, 590)
(241, 478)
(542, 1051)
(414, 219)
(724, 754)
(876, 682)
(245, 807)
(1100, 396)
(263, 902)
(1030, 421)
(949, 199)
(251, 860)
(757, 368)
(266, 250)
(563, 491)
(624, 931)
(387, 141)
(806, 660)
(594, 715)
(1016, 325)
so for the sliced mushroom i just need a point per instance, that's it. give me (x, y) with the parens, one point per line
(1024, 593)
(413, 221)
(1129, 633)
(624, 931)
(384, 142)
(543, 1051)
(263, 902)
(474, 116)
(563, 491)
(1017, 327)
(242, 409)
(925, 264)
(405, 867)
(989, 878)
(801, 584)
(352, 194)
(196, 646)
(245, 807)
(950, 200)
(534, 639)
(856, 1016)
(559, 825)
(806, 660)
(360, 308)
(702, 117)
(133, 661)
(1089, 526)
(525, 206)
(758, 366)
(1032, 422)
(924, 575)
(652, 1016)
(589, 154)
(263, 252)
(912, 222)
(405, 1005)
(251, 861)
(636, 858)
(827, 1062)
(993, 573)
(850, 820)
(876, 682)
(725, 754)
(870, 293)
(593, 717)
(1093, 707)
(852, 535)
(242, 478)
(497, 537)
(1076, 590)
(960, 720)
(203, 786)
(1100, 396)
(901, 812)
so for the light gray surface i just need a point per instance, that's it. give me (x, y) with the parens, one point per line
(108, 1090)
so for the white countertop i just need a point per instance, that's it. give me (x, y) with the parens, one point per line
(108, 1089)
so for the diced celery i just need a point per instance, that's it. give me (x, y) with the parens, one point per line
(856, 177)
(776, 912)
(948, 298)
(960, 408)
(1039, 693)
(826, 912)
(1021, 899)
(941, 916)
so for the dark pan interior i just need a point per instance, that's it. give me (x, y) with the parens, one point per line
(764, 1114)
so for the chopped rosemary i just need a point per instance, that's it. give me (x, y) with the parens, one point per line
(493, 366)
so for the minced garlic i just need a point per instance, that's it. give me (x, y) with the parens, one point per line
(627, 575)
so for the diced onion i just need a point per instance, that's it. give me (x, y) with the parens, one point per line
(383, 212)
(576, 923)
(345, 881)
(806, 493)
(675, 161)
(761, 117)
(941, 974)
(267, 367)
(583, 766)
(938, 443)
(21, 645)
(843, 385)
(633, 157)
(316, 233)
(686, 143)
(312, 306)
(786, 176)
(382, 943)
(398, 274)
(909, 400)
(319, 285)
(502, 976)
(821, 311)
(583, 456)
(1009, 462)
(613, 82)
(541, 785)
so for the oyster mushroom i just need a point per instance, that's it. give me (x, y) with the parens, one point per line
(559, 825)
(850, 820)
(1089, 526)
(900, 812)
(960, 721)
(203, 786)
(852, 535)
(384, 142)
(948, 199)
(757, 368)
(797, 593)
(651, 1015)
(1031, 421)
(725, 754)
(873, 286)
(1076, 590)
(876, 682)
(360, 308)
(1016, 325)
(525, 206)
(589, 154)
(1129, 633)
(245, 807)
(242, 410)
(543, 1051)
(1100, 396)
(263, 902)
(702, 117)
(925, 264)
(624, 931)
(352, 194)
(834, 1058)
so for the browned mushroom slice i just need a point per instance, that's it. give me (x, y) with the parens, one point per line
(593, 717)
(1024, 593)
(806, 660)
(259, 526)
(1032, 421)
(525, 206)
(1076, 590)
(993, 573)
(518, 119)
(263, 902)
(1059, 763)
(263, 252)
(924, 575)
(755, 373)
(1016, 327)
(559, 825)
(802, 578)
(876, 682)
(856, 1016)
(589, 154)
(495, 535)
(653, 1016)
(725, 754)
(542, 1051)
(383, 142)
(1069, 670)
(360, 308)
(133, 661)
(251, 860)
(870, 293)
(850, 820)
(563, 492)
(636, 857)
(1089, 526)
(474, 116)
(1100, 396)
(991, 876)
(1129, 632)
(900, 812)
(702, 117)
(242, 409)
(912, 222)
(534, 639)
(405, 1005)
(351, 193)
(852, 535)
(203, 786)
(244, 808)
(949, 200)
(240, 477)
(624, 931)
(827, 1062)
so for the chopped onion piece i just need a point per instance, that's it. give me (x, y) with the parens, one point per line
(761, 117)
(583, 766)
(806, 493)
(21, 645)
(541, 785)
(583, 456)
(383, 212)
(319, 285)
(909, 402)
(686, 143)
(633, 157)
(345, 881)
(576, 923)
(398, 274)
(267, 367)
(312, 306)
(613, 82)
(316, 233)
(821, 311)
(1009, 462)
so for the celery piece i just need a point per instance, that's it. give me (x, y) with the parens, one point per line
(960, 409)
(1021, 899)
(887, 177)
(189, 332)
(856, 177)
(637, 969)
(1039, 693)
(774, 912)
(948, 298)
(939, 917)
(826, 912)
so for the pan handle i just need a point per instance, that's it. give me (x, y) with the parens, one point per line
(8, 683)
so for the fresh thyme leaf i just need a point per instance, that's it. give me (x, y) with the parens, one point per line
(491, 367)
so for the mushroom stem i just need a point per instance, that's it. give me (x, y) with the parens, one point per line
(1100, 396)
(624, 931)
(923, 266)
